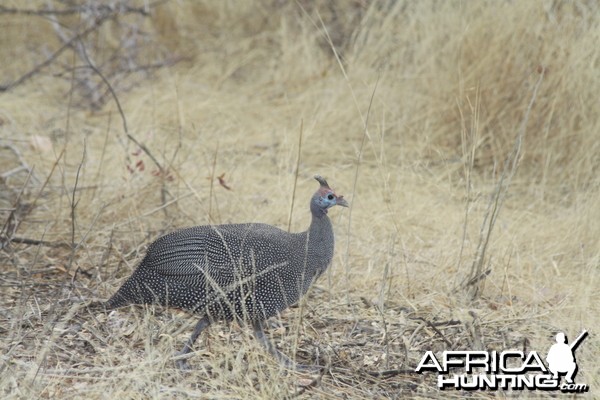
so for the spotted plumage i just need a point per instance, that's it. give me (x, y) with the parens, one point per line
(248, 272)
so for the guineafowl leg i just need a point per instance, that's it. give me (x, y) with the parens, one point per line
(200, 326)
(282, 358)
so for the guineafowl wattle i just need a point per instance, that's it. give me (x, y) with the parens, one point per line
(247, 272)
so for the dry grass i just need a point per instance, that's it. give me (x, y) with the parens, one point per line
(454, 83)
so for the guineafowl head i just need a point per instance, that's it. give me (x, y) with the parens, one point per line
(325, 198)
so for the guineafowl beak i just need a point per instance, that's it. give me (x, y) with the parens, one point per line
(340, 201)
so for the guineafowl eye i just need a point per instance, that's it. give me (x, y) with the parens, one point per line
(330, 196)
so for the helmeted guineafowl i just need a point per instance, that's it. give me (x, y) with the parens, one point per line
(247, 272)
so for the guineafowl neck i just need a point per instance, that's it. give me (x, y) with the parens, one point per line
(320, 240)
(319, 226)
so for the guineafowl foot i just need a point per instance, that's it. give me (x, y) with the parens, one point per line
(284, 360)
(182, 363)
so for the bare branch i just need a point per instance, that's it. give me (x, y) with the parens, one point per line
(54, 56)
(121, 8)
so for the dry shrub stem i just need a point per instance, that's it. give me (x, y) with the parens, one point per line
(475, 280)
(161, 169)
(121, 112)
(355, 181)
(469, 156)
(19, 210)
(76, 10)
(296, 172)
(211, 192)
(23, 165)
(73, 205)
(16, 215)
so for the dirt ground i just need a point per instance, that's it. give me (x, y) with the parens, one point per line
(463, 134)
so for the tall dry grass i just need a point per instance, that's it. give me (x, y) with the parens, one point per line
(421, 164)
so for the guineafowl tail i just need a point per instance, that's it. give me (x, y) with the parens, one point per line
(130, 293)
(116, 301)
(122, 298)
(146, 288)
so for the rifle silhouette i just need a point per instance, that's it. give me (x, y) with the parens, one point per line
(579, 339)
